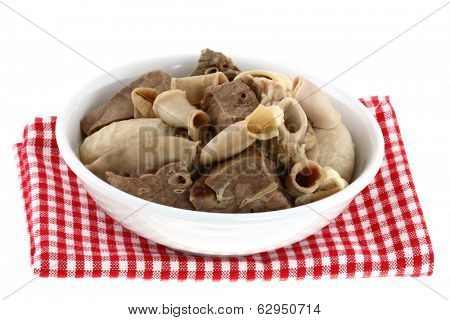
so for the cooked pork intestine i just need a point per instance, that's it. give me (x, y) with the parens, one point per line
(261, 124)
(293, 130)
(118, 134)
(278, 77)
(305, 177)
(316, 104)
(331, 184)
(141, 156)
(334, 149)
(143, 99)
(293, 124)
(227, 143)
(174, 108)
(195, 86)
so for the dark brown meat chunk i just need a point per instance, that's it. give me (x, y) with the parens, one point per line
(204, 198)
(168, 186)
(246, 183)
(228, 103)
(250, 82)
(120, 106)
(211, 61)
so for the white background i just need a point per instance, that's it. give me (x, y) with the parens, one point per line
(38, 74)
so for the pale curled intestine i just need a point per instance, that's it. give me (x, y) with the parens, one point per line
(278, 77)
(230, 141)
(174, 108)
(261, 124)
(143, 99)
(145, 155)
(316, 104)
(195, 86)
(291, 142)
(331, 184)
(118, 134)
(305, 177)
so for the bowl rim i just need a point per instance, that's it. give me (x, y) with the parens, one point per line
(102, 187)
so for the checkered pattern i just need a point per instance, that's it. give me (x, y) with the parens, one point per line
(381, 233)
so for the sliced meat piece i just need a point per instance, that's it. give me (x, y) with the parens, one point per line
(246, 183)
(273, 201)
(120, 106)
(250, 169)
(211, 61)
(204, 198)
(228, 103)
(168, 186)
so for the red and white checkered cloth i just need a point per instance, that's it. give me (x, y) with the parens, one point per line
(381, 233)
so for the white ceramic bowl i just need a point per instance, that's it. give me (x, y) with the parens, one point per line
(212, 233)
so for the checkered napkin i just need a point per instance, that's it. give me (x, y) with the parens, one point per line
(381, 233)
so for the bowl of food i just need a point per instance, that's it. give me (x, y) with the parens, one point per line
(219, 156)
